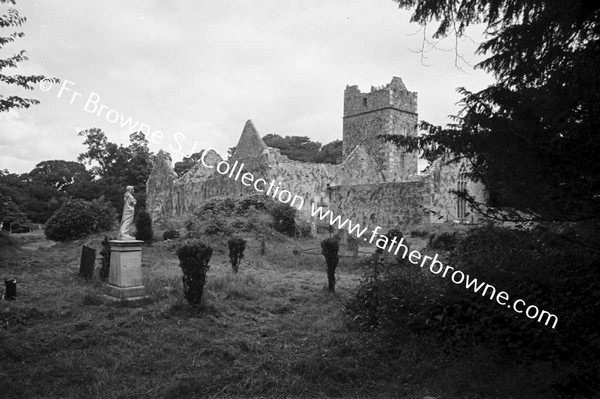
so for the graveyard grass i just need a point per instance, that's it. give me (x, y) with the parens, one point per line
(272, 330)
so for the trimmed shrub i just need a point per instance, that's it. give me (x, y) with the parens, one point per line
(171, 234)
(283, 216)
(105, 253)
(330, 248)
(237, 245)
(77, 218)
(193, 257)
(143, 226)
(443, 241)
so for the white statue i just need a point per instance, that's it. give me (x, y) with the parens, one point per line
(127, 219)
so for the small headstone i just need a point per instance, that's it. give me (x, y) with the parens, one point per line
(88, 259)
(11, 289)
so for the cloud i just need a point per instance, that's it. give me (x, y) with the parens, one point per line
(202, 68)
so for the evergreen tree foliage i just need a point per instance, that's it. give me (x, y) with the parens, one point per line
(532, 137)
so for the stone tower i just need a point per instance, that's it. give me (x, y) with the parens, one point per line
(390, 109)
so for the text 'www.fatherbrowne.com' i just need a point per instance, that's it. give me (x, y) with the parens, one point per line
(436, 267)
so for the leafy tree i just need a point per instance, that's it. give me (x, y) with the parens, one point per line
(115, 167)
(532, 137)
(36, 198)
(12, 185)
(187, 163)
(78, 218)
(10, 212)
(304, 149)
(12, 19)
(331, 153)
(294, 147)
(59, 174)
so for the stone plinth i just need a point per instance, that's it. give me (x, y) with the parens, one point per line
(125, 277)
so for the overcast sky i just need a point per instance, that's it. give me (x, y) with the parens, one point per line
(193, 72)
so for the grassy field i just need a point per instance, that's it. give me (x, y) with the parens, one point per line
(270, 331)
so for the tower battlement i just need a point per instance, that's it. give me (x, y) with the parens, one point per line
(393, 95)
(389, 109)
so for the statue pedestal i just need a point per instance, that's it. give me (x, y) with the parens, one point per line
(125, 277)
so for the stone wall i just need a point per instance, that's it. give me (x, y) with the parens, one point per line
(387, 205)
(443, 177)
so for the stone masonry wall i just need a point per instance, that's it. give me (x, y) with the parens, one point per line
(387, 205)
(443, 178)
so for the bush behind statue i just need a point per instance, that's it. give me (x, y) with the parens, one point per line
(77, 218)
(143, 226)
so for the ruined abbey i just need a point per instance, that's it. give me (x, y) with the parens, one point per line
(376, 184)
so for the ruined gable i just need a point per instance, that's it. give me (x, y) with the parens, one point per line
(159, 186)
(358, 168)
(250, 144)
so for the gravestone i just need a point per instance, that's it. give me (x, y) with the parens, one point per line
(88, 260)
(11, 289)
(353, 245)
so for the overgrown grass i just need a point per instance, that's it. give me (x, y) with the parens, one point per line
(269, 331)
